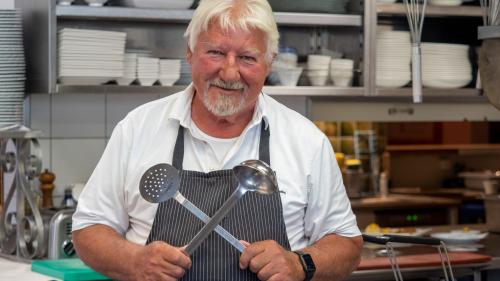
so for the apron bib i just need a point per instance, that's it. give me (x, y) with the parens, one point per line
(255, 217)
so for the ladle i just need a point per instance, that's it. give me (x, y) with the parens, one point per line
(252, 175)
(161, 182)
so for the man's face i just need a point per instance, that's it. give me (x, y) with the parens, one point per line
(229, 69)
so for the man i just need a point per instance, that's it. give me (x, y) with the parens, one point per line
(219, 121)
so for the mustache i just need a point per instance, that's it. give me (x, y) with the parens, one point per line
(228, 85)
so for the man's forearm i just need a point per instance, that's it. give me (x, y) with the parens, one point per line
(103, 249)
(335, 256)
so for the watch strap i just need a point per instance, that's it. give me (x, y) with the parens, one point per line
(307, 264)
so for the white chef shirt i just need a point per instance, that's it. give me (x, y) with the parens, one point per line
(313, 195)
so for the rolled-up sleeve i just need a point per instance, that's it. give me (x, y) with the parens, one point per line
(328, 209)
(102, 200)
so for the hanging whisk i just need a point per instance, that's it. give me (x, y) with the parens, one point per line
(491, 12)
(415, 13)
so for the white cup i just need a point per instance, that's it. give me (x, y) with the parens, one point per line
(490, 187)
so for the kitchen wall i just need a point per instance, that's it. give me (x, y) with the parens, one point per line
(6, 4)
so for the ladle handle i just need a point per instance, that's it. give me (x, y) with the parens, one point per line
(215, 220)
(202, 216)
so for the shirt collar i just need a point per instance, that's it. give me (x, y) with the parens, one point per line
(182, 109)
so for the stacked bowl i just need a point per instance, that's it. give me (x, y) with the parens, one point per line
(129, 70)
(393, 58)
(148, 70)
(90, 57)
(445, 66)
(318, 69)
(341, 72)
(12, 68)
(170, 71)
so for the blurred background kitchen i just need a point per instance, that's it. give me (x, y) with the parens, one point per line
(70, 70)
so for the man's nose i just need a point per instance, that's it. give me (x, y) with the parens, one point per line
(230, 70)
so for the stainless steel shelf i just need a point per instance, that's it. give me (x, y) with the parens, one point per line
(488, 32)
(183, 16)
(399, 9)
(435, 95)
(167, 90)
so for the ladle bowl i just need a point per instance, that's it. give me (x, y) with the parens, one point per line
(256, 175)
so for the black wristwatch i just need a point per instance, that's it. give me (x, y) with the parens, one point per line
(307, 264)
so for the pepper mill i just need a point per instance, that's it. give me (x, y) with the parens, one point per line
(47, 186)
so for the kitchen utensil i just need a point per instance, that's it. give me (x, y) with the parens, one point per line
(491, 11)
(389, 239)
(252, 175)
(161, 182)
(66, 269)
(415, 13)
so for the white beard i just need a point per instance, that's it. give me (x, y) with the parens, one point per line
(225, 105)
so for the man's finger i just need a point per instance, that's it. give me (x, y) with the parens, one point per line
(250, 252)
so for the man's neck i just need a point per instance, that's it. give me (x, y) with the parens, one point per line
(216, 126)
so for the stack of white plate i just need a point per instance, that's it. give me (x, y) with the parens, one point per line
(90, 57)
(148, 70)
(170, 71)
(12, 68)
(129, 70)
(186, 77)
(445, 66)
(393, 58)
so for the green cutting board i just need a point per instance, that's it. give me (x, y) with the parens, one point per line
(66, 269)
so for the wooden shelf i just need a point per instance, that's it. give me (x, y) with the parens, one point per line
(399, 9)
(443, 147)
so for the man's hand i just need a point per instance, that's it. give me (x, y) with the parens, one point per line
(160, 261)
(271, 262)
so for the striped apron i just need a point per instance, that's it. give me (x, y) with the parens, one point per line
(255, 217)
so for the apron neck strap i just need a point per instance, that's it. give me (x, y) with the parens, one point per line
(263, 146)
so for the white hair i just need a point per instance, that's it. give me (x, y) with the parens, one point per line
(235, 15)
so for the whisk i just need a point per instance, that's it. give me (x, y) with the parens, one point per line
(415, 13)
(491, 12)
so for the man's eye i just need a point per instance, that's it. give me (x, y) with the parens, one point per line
(215, 52)
(248, 58)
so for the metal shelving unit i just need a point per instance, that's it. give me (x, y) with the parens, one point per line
(184, 16)
(42, 48)
(399, 9)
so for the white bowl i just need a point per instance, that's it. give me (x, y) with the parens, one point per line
(317, 80)
(318, 59)
(318, 72)
(96, 3)
(65, 2)
(289, 76)
(342, 80)
(342, 63)
(125, 81)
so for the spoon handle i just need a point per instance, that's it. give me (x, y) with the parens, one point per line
(215, 220)
(202, 216)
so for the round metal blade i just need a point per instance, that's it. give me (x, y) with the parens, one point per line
(159, 183)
